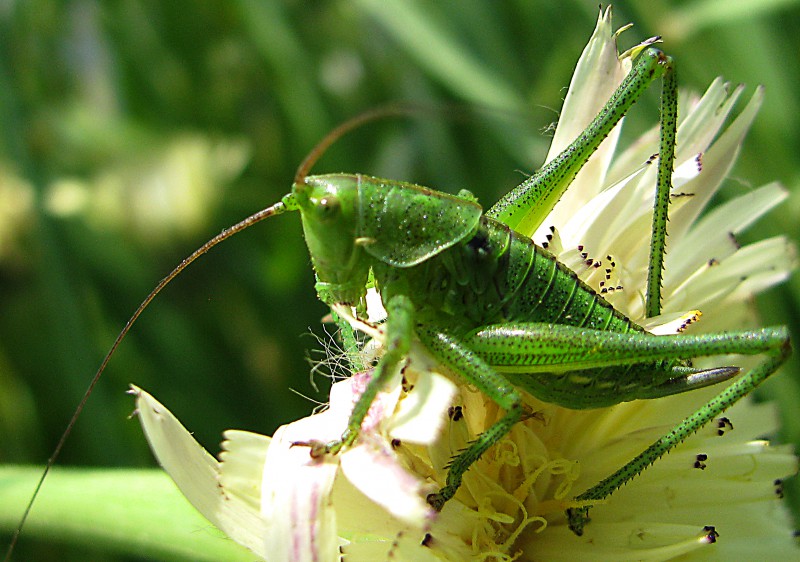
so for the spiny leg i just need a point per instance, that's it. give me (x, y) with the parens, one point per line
(524, 208)
(532, 347)
(466, 364)
(399, 324)
(546, 347)
(779, 350)
(666, 159)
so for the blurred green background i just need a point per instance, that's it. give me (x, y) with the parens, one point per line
(132, 131)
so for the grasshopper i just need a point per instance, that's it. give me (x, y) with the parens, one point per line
(499, 311)
(502, 313)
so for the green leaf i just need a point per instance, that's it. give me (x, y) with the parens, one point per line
(137, 512)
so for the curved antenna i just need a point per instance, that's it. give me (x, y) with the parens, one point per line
(288, 204)
(400, 109)
(276, 209)
(316, 153)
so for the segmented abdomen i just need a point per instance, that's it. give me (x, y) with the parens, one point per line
(498, 275)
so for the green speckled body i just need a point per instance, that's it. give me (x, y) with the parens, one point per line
(502, 313)
(496, 275)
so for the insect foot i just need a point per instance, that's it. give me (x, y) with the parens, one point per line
(318, 449)
(577, 518)
(436, 500)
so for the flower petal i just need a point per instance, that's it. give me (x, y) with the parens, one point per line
(420, 415)
(299, 518)
(196, 473)
(376, 471)
(714, 282)
(717, 163)
(597, 74)
(242, 465)
(617, 542)
(710, 238)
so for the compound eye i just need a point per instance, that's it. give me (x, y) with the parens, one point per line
(328, 208)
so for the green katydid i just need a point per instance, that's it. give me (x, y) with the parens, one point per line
(502, 313)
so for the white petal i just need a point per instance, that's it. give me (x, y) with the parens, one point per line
(375, 310)
(671, 323)
(242, 465)
(618, 542)
(696, 130)
(296, 491)
(686, 171)
(403, 549)
(717, 163)
(713, 282)
(383, 405)
(196, 474)
(596, 219)
(596, 76)
(374, 469)
(598, 73)
(631, 210)
(710, 237)
(299, 517)
(421, 414)
(705, 118)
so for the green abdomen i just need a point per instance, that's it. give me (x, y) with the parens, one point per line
(500, 276)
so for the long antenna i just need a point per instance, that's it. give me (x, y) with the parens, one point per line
(276, 209)
(349, 125)
(398, 109)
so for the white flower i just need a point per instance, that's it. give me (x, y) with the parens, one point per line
(368, 502)
(272, 497)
